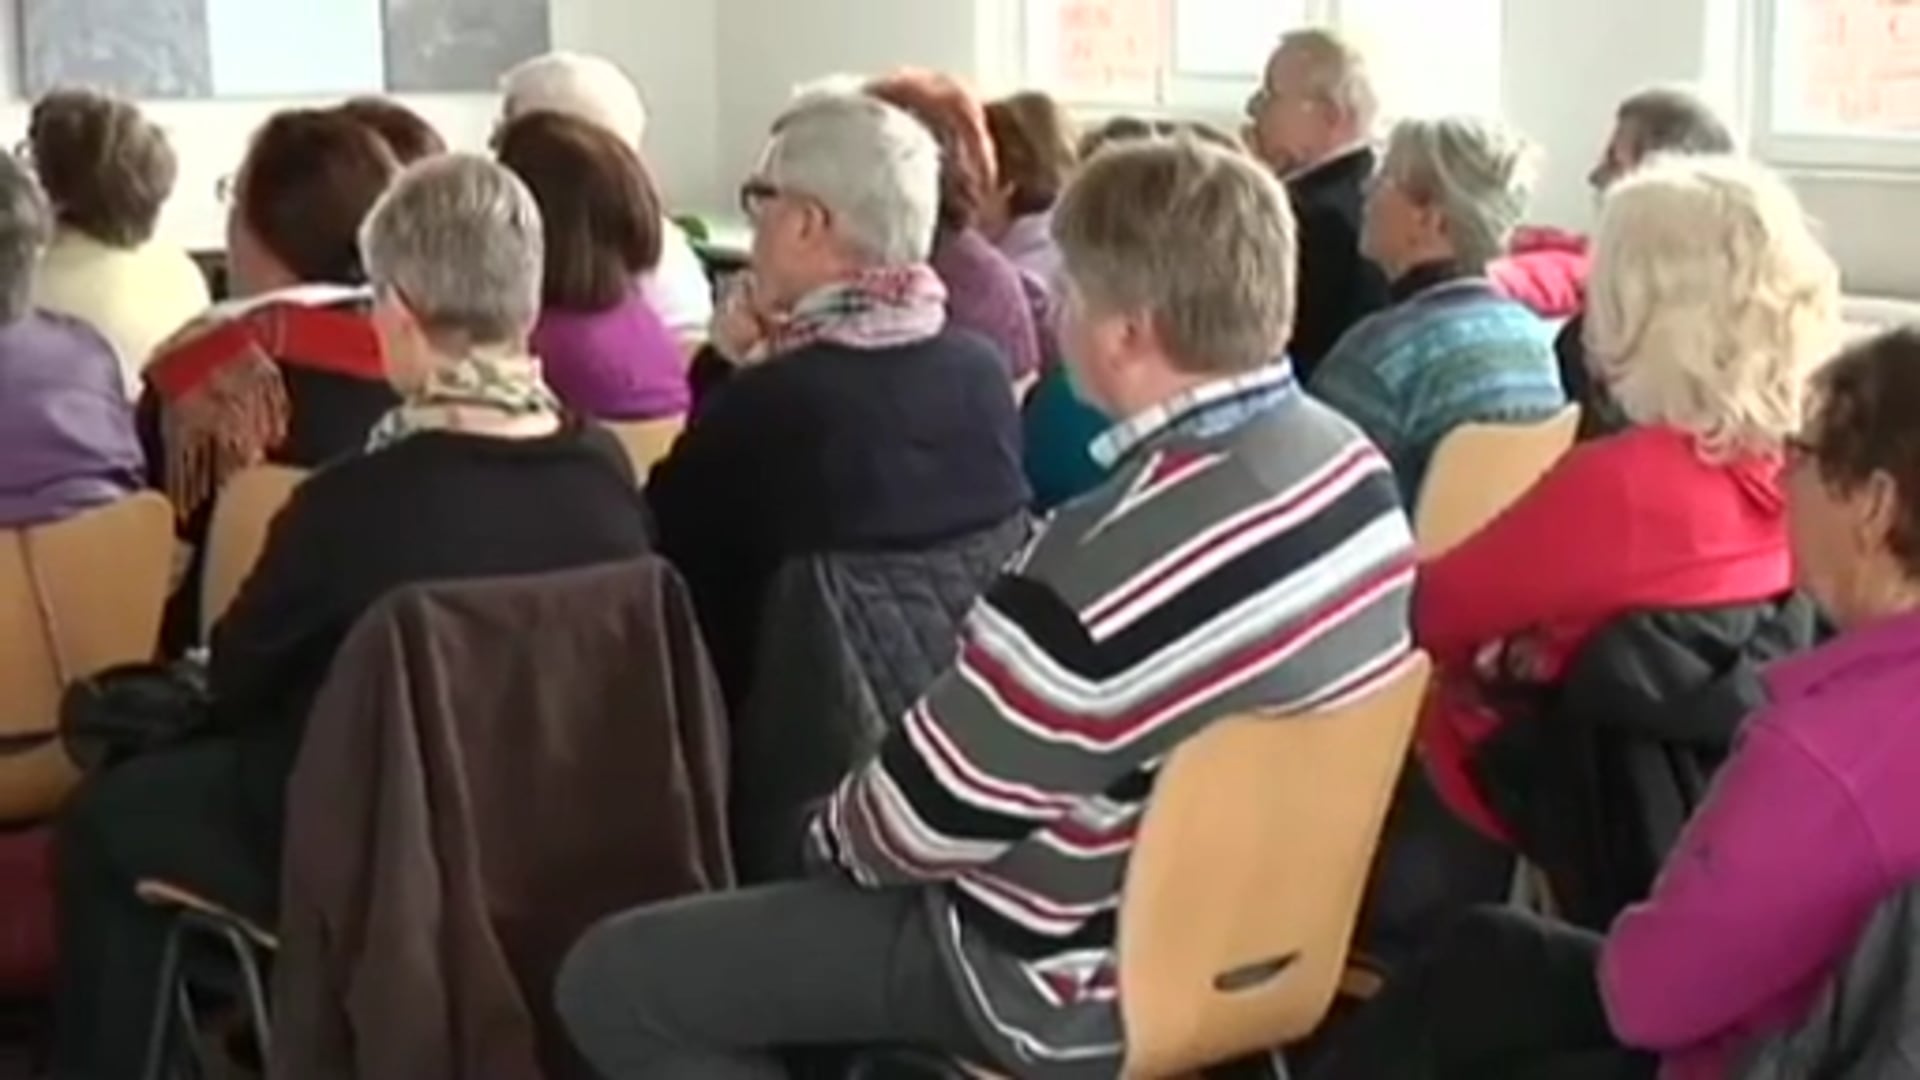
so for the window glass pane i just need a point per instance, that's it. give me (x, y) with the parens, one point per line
(1230, 38)
(1846, 67)
(1097, 50)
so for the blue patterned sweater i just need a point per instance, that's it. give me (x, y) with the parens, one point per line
(1452, 353)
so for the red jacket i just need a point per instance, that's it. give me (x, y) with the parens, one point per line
(1630, 522)
(1545, 269)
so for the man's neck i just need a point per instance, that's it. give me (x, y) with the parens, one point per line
(1339, 151)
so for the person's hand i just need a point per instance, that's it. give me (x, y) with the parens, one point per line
(741, 330)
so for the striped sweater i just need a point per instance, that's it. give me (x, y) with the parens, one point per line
(1248, 552)
(1453, 353)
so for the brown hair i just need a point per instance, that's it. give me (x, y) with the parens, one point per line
(106, 168)
(959, 124)
(602, 211)
(1034, 142)
(405, 132)
(310, 177)
(1866, 420)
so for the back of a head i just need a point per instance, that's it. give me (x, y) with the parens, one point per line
(310, 177)
(875, 167)
(24, 229)
(1711, 300)
(1674, 120)
(1199, 237)
(589, 87)
(1117, 129)
(602, 213)
(1478, 172)
(1033, 141)
(959, 124)
(1337, 73)
(406, 132)
(106, 168)
(460, 238)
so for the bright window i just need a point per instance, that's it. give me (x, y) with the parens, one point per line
(1209, 55)
(1838, 82)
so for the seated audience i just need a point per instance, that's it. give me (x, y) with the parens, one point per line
(1310, 121)
(474, 474)
(290, 370)
(1659, 120)
(66, 430)
(838, 408)
(985, 293)
(1711, 304)
(1811, 823)
(405, 132)
(602, 347)
(1452, 350)
(971, 868)
(108, 170)
(596, 90)
(1033, 146)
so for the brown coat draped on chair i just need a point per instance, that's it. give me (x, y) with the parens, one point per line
(491, 768)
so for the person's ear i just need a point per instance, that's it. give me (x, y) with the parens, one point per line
(1878, 509)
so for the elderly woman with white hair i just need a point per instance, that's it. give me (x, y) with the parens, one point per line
(1712, 317)
(454, 255)
(1452, 349)
(594, 89)
(836, 409)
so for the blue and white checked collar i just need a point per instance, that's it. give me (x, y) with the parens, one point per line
(1207, 409)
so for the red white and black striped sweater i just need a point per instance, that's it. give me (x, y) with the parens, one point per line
(1249, 553)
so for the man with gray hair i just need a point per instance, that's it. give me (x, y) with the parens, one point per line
(67, 438)
(1652, 121)
(594, 89)
(1311, 121)
(1247, 554)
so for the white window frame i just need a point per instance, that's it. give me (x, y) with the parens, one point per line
(1174, 93)
(1800, 150)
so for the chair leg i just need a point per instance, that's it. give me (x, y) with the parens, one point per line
(166, 997)
(255, 987)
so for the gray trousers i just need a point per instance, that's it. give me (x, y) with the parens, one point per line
(708, 988)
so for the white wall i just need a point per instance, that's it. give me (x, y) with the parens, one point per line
(667, 45)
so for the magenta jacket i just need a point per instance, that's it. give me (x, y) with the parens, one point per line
(618, 364)
(1812, 822)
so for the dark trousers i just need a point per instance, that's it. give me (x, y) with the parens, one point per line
(1431, 869)
(172, 815)
(1503, 995)
(710, 987)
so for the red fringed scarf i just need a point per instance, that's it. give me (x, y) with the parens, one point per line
(223, 404)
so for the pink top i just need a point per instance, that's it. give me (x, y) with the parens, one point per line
(1812, 822)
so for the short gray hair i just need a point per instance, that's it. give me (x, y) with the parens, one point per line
(1673, 120)
(590, 88)
(1477, 173)
(1339, 71)
(26, 223)
(460, 238)
(874, 166)
(1199, 238)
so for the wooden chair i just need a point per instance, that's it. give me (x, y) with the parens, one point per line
(76, 596)
(1481, 469)
(1247, 876)
(238, 533)
(647, 441)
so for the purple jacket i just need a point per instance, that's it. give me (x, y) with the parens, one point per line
(618, 364)
(67, 442)
(985, 296)
(1811, 823)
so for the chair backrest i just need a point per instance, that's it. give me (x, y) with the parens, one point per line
(77, 596)
(1246, 878)
(1479, 470)
(241, 518)
(647, 441)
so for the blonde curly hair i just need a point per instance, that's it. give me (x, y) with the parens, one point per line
(1711, 302)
